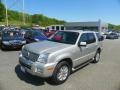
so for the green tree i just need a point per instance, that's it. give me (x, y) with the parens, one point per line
(44, 20)
(2, 12)
(114, 27)
(35, 19)
(111, 26)
(15, 18)
(117, 28)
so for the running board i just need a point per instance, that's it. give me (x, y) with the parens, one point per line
(81, 65)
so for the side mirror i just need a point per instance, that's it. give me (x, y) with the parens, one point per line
(83, 44)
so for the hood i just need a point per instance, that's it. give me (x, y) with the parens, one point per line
(45, 47)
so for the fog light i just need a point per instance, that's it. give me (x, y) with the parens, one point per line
(38, 70)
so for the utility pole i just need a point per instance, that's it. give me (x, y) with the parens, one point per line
(23, 12)
(6, 12)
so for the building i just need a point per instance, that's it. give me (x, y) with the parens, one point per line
(97, 26)
(55, 27)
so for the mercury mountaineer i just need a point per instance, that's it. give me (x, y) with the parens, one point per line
(62, 53)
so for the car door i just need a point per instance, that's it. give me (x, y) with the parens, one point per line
(81, 51)
(91, 45)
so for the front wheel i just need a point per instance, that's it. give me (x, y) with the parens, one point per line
(61, 73)
(97, 57)
(2, 47)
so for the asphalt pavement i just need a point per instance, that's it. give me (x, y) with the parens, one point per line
(104, 75)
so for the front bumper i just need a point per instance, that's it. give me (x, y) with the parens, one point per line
(11, 46)
(114, 37)
(36, 68)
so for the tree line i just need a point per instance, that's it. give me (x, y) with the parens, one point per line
(114, 27)
(15, 17)
(39, 19)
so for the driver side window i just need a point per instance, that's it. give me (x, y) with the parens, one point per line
(84, 38)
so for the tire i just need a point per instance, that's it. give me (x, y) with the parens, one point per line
(2, 48)
(97, 57)
(61, 73)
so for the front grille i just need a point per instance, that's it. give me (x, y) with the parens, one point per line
(14, 42)
(17, 43)
(30, 55)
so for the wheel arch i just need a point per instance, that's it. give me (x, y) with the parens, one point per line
(68, 60)
(99, 50)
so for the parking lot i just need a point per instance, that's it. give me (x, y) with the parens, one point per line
(102, 76)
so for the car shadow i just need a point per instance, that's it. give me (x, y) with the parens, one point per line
(30, 79)
(10, 50)
(37, 81)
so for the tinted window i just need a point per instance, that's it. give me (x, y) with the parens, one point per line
(113, 34)
(62, 28)
(10, 35)
(91, 38)
(57, 28)
(34, 33)
(53, 28)
(28, 34)
(84, 38)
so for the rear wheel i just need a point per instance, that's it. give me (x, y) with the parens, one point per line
(61, 73)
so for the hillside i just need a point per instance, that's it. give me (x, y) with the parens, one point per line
(15, 18)
(114, 27)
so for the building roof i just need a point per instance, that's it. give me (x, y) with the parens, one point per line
(82, 24)
(79, 31)
(89, 23)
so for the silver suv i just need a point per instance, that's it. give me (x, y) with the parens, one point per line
(62, 53)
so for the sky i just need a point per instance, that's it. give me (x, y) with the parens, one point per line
(72, 10)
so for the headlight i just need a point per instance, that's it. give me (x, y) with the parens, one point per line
(23, 42)
(23, 47)
(43, 58)
(37, 39)
(6, 42)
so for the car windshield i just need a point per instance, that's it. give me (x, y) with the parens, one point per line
(113, 34)
(37, 33)
(64, 37)
(10, 35)
(34, 33)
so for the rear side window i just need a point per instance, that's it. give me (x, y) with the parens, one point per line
(91, 38)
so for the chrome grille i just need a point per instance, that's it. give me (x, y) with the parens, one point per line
(30, 55)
